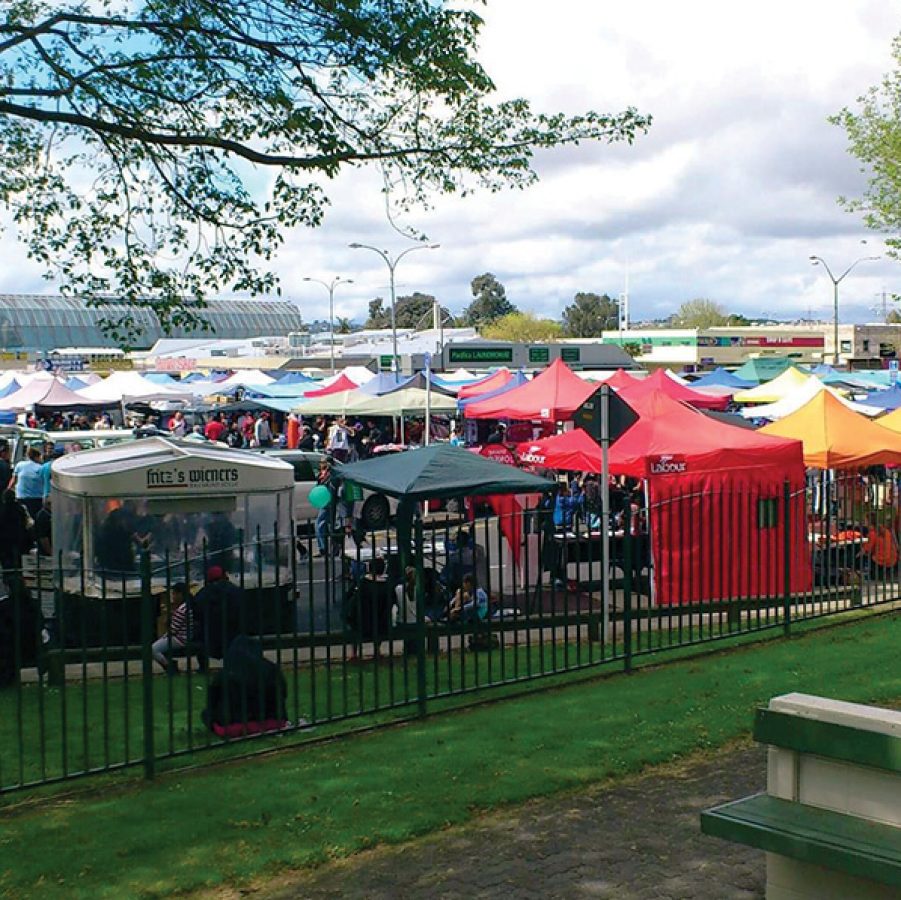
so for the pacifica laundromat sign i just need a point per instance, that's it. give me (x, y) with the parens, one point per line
(667, 465)
(192, 478)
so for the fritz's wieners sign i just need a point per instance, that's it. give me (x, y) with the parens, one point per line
(191, 477)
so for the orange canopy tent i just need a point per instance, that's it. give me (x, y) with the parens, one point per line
(835, 437)
(552, 396)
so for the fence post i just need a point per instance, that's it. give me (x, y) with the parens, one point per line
(786, 558)
(148, 629)
(627, 587)
(421, 686)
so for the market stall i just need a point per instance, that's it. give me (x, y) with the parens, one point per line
(188, 505)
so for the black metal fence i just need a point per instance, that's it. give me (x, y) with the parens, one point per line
(333, 624)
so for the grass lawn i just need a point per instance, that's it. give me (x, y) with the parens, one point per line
(254, 817)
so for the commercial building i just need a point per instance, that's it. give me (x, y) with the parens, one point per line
(33, 323)
(860, 346)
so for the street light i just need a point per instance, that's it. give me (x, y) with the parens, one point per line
(392, 265)
(818, 260)
(330, 287)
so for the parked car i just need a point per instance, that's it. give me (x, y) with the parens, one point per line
(375, 512)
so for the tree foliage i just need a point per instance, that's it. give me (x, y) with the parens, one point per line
(874, 137)
(489, 303)
(416, 311)
(379, 317)
(700, 313)
(523, 326)
(159, 149)
(589, 315)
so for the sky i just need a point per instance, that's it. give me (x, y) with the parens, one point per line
(731, 191)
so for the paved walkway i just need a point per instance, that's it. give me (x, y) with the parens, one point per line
(635, 841)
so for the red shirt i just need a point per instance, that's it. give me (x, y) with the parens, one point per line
(214, 430)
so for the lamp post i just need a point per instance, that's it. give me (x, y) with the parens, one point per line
(392, 265)
(330, 287)
(818, 260)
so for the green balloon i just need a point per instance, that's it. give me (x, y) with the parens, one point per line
(320, 496)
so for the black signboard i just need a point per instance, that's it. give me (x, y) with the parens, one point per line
(480, 354)
(621, 416)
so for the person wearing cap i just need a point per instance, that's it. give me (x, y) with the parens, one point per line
(219, 614)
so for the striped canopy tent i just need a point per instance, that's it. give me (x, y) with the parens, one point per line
(485, 385)
(835, 437)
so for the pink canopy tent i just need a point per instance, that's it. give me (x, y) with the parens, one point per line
(492, 382)
(551, 396)
(661, 382)
(341, 384)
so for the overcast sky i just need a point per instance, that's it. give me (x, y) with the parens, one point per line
(726, 197)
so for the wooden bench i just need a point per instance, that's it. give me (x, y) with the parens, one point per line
(830, 821)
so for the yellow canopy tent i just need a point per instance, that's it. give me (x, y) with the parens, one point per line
(771, 391)
(892, 421)
(835, 437)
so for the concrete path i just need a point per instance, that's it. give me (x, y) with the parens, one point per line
(638, 840)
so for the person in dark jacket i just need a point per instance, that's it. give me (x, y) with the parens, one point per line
(248, 695)
(218, 613)
(15, 534)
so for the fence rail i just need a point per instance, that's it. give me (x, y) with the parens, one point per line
(313, 629)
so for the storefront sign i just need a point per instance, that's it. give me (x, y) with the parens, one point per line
(176, 478)
(491, 355)
(176, 364)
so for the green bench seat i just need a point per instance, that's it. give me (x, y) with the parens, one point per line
(837, 841)
(808, 834)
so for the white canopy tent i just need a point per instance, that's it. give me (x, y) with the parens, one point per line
(131, 387)
(800, 397)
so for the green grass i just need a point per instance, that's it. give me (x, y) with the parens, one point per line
(252, 818)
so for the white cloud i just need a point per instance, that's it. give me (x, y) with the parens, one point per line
(726, 197)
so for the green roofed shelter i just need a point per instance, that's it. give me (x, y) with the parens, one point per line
(441, 471)
(764, 368)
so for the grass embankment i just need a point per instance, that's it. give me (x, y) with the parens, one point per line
(247, 819)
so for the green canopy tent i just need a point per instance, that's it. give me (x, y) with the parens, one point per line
(439, 471)
(764, 368)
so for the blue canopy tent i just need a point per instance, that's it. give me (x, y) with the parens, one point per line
(887, 400)
(296, 378)
(11, 388)
(721, 377)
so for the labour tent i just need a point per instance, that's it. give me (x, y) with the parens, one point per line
(551, 396)
(717, 510)
(781, 386)
(660, 381)
(835, 437)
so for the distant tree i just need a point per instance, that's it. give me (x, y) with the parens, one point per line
(379, 317)
(589, 315)
(416, 310)
(523, 326)
(343, 326)
(490, 301)
(700, 313)
(737, 319)
(874, 137)
(633, 348)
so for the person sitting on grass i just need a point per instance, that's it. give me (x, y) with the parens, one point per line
(470, 603)
(176, 636)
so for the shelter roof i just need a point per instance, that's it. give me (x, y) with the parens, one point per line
(441, 470)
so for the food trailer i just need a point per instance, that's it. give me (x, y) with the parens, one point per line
(189, 506)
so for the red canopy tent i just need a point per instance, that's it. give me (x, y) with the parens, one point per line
(620, 379)
(490, 383)
(660, 381)
(340, 384)
(716, 493)
(552, 396)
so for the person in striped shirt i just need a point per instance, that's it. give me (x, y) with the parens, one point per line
(179, 629)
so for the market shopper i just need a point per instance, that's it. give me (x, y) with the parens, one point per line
(28, 481)
(15, 538)
(178, 631)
